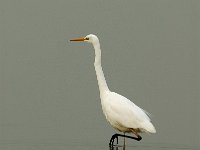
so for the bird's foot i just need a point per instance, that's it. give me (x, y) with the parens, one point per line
(115, 136)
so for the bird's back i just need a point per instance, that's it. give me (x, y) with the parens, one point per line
(124, 115)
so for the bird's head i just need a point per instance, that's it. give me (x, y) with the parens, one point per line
(91, 38)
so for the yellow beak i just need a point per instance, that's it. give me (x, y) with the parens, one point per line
(78, 39)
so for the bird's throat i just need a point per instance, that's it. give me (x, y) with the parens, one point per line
(103, 87)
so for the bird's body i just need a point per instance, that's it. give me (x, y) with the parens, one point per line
(119, 111)
(134, 118)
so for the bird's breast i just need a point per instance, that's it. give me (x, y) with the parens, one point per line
(106, 103)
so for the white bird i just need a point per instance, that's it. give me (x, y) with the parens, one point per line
(120, 112)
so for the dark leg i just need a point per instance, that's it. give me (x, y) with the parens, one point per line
(138, 138)
(113, 139)
(124, 142)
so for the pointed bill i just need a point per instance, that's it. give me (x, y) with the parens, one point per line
(78, 39)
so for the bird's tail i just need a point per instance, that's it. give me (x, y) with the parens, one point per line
(148, 127)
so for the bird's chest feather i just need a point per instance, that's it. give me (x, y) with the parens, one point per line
(110, 114)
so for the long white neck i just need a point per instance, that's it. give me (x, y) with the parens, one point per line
(103, 87)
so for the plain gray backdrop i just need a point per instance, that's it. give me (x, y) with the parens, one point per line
(49, 97)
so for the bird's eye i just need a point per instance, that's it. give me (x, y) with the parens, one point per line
(87, 38)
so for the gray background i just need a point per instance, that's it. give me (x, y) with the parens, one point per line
(49, 97)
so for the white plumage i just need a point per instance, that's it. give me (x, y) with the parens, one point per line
(120, 112)
(115, 106)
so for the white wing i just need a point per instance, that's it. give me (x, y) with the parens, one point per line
(121, 110)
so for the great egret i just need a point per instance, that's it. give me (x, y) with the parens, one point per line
(119, 111)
